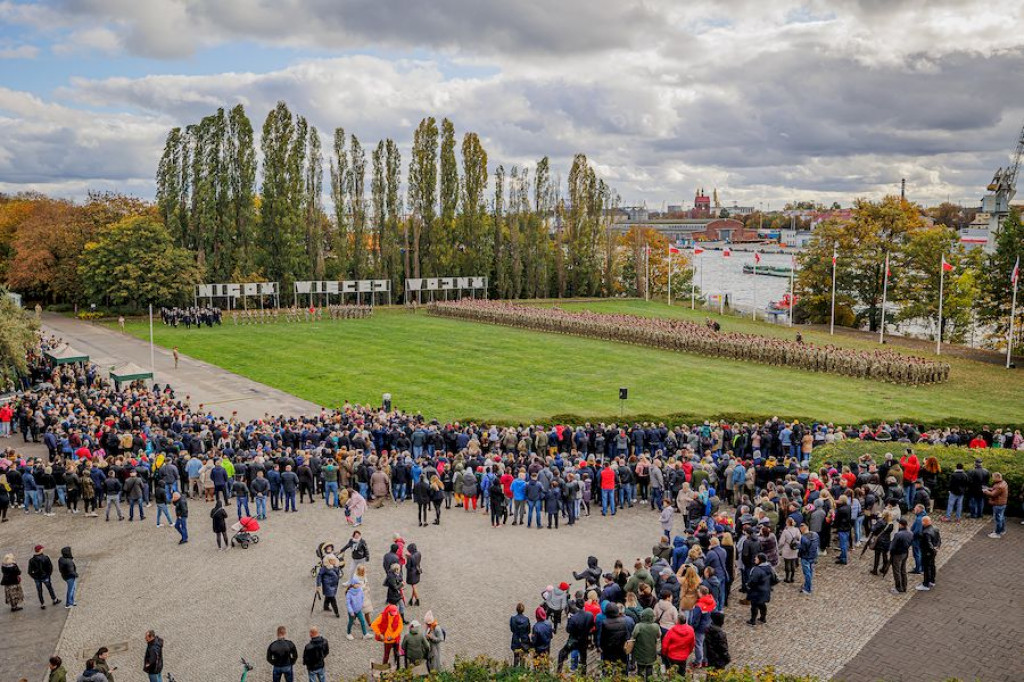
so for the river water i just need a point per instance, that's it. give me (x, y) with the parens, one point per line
(717, 275)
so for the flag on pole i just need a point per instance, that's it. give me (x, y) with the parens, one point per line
(946, 266)
(757, 257)
(697, 251)
(1016, 272)
(727, 252)
(834, 255)
(673, 249)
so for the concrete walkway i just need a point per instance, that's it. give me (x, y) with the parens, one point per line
(215, 388)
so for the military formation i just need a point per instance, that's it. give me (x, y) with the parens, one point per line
(295, 314)
(690, 337)
(192, 316)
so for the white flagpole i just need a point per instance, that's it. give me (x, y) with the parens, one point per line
(942, 282)
(792, 275)
(152, 356)
(885, 294)
(647, 272)
(702, 278)
(753, 310)
(670, 274)
(832, 319)
(1013, 313)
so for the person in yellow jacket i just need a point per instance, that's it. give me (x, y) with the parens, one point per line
(387, 628)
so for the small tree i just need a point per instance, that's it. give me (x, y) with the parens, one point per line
(17, 337)
(135, 263)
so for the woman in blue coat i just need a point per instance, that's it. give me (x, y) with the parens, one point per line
(759, 589)
(552, 503)
(327, 580)
(519, 624)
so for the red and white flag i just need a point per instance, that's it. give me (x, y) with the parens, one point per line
(727, 252)
(697, 251)
(1015, 275)
(946, 266)
(673, 249)
(757, 257)
(834, 256)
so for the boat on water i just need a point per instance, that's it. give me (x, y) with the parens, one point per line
(768, 270)
(783, 304)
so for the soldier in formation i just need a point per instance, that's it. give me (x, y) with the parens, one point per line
(703, 339)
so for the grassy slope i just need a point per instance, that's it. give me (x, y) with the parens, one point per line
(448, 369)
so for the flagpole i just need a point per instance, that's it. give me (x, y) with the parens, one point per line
(1013, 312)
(885, 293)
(670, 274)
(942, 282)
(702, 278)
(792, 275)
(647, 272)
(753, 310)
(152, 356)
(832, 319)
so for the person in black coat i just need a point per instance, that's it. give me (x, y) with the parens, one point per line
(69, 572)
(716, 642)
(393, 581)
(40, 568)
(421, 495)
(552, 503)
(759, 589)
(220, 525)
(519, 624)
(413, 570)
(153, 663)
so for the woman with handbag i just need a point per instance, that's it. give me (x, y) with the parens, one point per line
(879, 540)
(789, 546)
(14, 595)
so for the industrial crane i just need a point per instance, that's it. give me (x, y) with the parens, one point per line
(1001, 191)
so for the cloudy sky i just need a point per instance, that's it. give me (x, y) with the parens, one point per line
(769, 100)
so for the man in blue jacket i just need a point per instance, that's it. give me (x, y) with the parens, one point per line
(534, 494)
(519, 498)
(810, 543)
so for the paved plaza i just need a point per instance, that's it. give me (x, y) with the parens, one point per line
(213, 607)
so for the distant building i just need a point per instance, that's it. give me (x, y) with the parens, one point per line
(695, 229)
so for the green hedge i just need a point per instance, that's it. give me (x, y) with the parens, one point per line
(1008, 462)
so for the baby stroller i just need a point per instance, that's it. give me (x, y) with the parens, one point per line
(245, 532)
(322, 550)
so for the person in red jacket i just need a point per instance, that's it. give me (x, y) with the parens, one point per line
(677, 645)
(911, 467)
(6, 414)
(607, 476)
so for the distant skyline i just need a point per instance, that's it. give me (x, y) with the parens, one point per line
(768, 101)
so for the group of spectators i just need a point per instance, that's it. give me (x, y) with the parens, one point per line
(743, 496)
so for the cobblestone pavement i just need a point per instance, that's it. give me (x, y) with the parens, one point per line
(220, 390)
(970, 627)
(212, 607)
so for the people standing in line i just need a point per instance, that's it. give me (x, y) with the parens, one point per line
(219, 515)
(436, 636)
(930, 542)
(759, 589)
(413, 571)
(519, 625)
(899, 550)
(281, 655)
(153, 663)
(69, 572)
(998, 495)
(10, 579)
(676, 646)
(180, 517)
(314, 656)
(40, 568)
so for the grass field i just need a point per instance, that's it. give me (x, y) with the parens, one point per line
(449, 369)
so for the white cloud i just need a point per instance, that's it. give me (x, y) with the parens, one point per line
(769, 101)
(19, 52)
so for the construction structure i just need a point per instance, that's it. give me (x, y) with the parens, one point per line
(995, 205)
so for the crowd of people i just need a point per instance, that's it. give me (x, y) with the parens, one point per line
(192, 316)
(296, 314)
(693, 337)
(736, 503)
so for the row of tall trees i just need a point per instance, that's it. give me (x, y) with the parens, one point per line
(976, 290)
(457, 217)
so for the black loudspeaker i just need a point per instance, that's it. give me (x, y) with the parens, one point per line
(623, 393)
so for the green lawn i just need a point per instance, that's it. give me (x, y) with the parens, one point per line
(449, 369)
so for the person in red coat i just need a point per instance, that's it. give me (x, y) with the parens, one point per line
(677, 645)
(911, 467)
(607, 476)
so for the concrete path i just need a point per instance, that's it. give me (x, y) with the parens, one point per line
(215, 388)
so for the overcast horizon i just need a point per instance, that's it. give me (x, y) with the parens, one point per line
(767, 101)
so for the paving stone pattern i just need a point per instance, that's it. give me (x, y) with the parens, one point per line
(971, 627)
(212, 607)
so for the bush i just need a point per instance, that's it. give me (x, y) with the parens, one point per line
(1008, 462)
